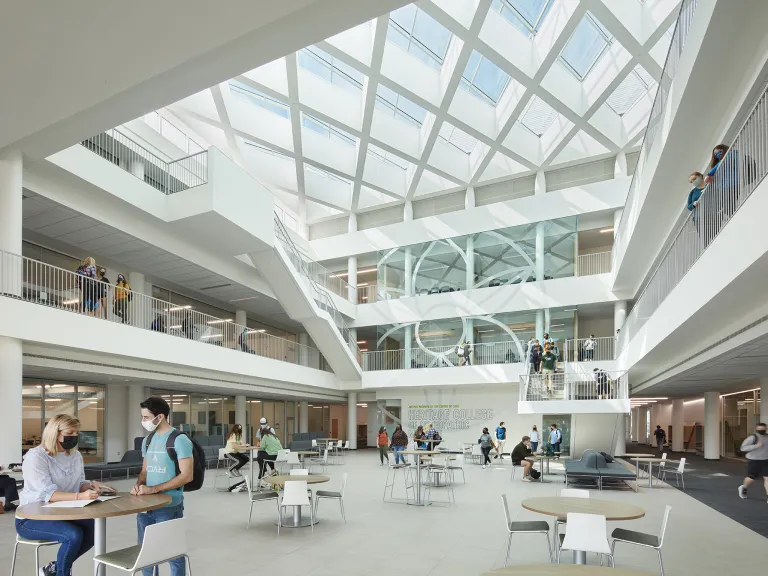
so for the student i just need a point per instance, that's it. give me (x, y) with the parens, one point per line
(383, 443)
(519, 454)
(89, 286)
(548, 368)
(234, 443)
(501, 439)
(555, 438)
(419, 436)
(399, 443)
(53, 472)
(724, 171)
(269, 446)
(158, 472)
(697, 180)
(123, 296)
(756, 447)
(547, 340)
(243, 341)
(534, 438)
(9, 491)
(589, 347)
(464, 352)
(536, 353)
(158, 324)
(102, 291)
(661, 436)
(603, 384)
(486, 443)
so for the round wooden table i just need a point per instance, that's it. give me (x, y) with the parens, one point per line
(418, 454)
(563, 569)
(296, 520)
(97, 511)
(560, 506)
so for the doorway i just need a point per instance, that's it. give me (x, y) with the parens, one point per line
(563, 422)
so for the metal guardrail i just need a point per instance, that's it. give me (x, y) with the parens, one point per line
(590, 264)
(167, 177)
(440, 357)
(738, 174)
(304, 266)
(679, 36)
(33, 281)
(605, 385)
(590, 349)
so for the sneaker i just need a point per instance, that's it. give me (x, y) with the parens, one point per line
(242, 488)
(48, 570)
(742, 492)
(496, 456)
(527, 479)
(483, 466)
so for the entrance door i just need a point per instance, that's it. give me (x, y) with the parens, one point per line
(335, 428)
(563, 422)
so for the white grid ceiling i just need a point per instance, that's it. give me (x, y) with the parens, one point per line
(373, 116)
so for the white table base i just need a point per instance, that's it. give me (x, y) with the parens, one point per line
(100, 544)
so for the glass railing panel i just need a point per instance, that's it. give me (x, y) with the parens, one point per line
(441, 356)
(603, 385)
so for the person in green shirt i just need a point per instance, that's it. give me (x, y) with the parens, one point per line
(548, 368)
(268, 449)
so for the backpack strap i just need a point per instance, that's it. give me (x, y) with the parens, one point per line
(170, 448)
(148, 441)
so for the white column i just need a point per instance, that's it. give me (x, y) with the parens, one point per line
(304, 417)
(302, 214)
(241, 318)
(540, 187)
(352, 339)
(643, 425)
(539, 324)
(303, 351)
(635, 434)
(142, 311)
(619, 314)
(617, 219)
(469, 202)
(678, 424)
(469, 198)
(763, 400)
(352, 263)
(240, 411)
(136, 395)
(620, 167)
(352, 420)
(11, 380)
(408, 263)
(540, 184)
(712, 426)
(621, 435)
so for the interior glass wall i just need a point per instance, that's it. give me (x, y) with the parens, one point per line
(741, 412)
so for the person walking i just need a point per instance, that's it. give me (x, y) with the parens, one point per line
(534, 438)
(123, 296)
(756, 448)
(536, 353)
(661, 437)
(555, 438)
(102, 292)
(501, 438)
(589, 348)
(399, 443)
(486, 443)
(548, 368)
(383, 443)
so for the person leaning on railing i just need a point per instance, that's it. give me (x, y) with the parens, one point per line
(697, 179)
(123, 296)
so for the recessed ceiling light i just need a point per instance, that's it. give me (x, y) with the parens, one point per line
(606, 230)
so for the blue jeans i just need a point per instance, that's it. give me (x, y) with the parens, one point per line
(178, 566)
(398, 457)
(76, 537)
(534, 445)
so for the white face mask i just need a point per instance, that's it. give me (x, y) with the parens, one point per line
(149, 425)
(698, 181)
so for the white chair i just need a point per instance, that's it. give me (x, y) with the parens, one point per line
(567, 493)
(257, 497)
(641, 539)
(163, 542)
(477, 453)
(282, 458)
(678, 473)
(457, 464)
(37, 545)
(407, 480)
(662, 465)
(529, 527)
(333, 496)
(320, 461)
(586, 533)
(438, 466)
(295, 494)
(315, 447)
(346, 448)
(225, 472)
(292, 459)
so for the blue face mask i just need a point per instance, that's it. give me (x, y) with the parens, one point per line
(718, 154)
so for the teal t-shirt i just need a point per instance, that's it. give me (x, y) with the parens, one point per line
(160, 467)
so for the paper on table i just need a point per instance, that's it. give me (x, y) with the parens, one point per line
(78, 503)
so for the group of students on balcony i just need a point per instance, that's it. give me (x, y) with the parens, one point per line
(94, 287)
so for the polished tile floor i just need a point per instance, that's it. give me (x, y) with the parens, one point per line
(380, 538)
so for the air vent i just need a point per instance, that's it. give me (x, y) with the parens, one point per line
(215, 287)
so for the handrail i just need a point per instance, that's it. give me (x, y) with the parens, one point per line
(675, 50)
(482, 354)
(738, 174)
(169, 177)
(591, 264)
(302, 263)
(34, 281)
(581, 350)
(575, 386)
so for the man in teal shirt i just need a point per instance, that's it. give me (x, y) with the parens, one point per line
(159, 474)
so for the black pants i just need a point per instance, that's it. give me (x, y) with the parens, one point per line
(8, 489)
(486, 451)
(265, 460)
(242, 460)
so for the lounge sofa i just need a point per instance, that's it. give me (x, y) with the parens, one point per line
(593, 467)
(130, 463)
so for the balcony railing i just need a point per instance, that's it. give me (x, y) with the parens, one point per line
(366, 294)
(441, 357)
(605, 385)
(738, 174)
(663, 93)
(167, 177)
(33, 281)
(590, 349)
(590, 264)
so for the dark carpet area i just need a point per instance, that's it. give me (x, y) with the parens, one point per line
(715, 483)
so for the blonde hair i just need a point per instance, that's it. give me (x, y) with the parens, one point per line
(89, 261)
(57, 425)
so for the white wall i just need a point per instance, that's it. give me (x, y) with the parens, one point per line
(116, 422)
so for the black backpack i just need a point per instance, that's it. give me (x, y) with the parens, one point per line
(198, 457)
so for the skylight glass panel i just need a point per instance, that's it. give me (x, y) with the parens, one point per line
(266, 150)
(525, 15)
(631, 89)
(331, 69)
(260, 99)
(457, 138)
(326, 174)
(482, 78)
(388, 157)
(325, 129)
(419, 34)
(392, 103)
(538, 116)
(586, 45)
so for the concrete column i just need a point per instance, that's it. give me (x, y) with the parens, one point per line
(678, 425)
(619, 314)
(241, 318)
(304, 417)
(408, 270)
(643, 425)
(11, 381)
(712, 426)
(136, 395)
(763, 400)
(469, 277)
(635, 433)
(539, 251)
(620, 167)
(352, 420)
(540, 325)
(408, 211)
(240, 412)
(620, 447)
(408, 346)
(303, 350)
(142, 311)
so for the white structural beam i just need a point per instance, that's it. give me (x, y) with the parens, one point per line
(291, 68)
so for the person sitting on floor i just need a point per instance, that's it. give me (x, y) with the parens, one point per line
(519, 455)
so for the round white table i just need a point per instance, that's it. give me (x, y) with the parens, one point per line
(296, 520)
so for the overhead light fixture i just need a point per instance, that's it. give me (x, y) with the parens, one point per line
(178, 308)
(362, 284)
(70, 302)
(556, 325)
(256, 331)
(242, 299)
(606, 230)
(176, 327)
(570, 310)
(362, 341)
(211, 336)
(483, 331)
(363, 271)
(219, 321)
(363, 349)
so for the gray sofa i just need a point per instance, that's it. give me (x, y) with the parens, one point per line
(593, 467)
(130, 463)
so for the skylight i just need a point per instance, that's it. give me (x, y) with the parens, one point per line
(260, 99)
(482, 78)
(586, 45)
(388, 157)
(266, 150)
(392, 103)
(457, 138)
(330, 69)
(538, 116)
(325, 129)
(525, 15)
(326, 174)
(631, 89)
(419, 34)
